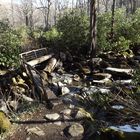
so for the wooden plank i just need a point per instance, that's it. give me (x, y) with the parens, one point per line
(30, 55)
(39, 60)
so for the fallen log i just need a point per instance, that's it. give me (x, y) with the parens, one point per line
(39, 60)
(51, 65)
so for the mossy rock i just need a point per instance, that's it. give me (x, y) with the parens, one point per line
(5, 123)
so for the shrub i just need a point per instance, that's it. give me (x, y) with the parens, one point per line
(52, 34)
(126, 30)
(74, 29)
(121, 26)
(9, 45)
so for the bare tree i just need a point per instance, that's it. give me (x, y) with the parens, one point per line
(27, 10)
(12, 12)
(45, 9)
(106, 4)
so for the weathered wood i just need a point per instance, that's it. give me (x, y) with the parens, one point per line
(51, 65)
(35, 57)
(33, 54)
(39, 60)
(37, 80)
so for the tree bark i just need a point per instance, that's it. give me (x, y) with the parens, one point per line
(92, 50)
(134, 6)
(112, 22)
(27, 20)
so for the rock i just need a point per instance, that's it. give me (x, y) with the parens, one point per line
(5, 123)
(63, 56)
(66, 112)
(24, 74)
(96, 60)
(50, 93)
(127, 71)
(65, 90)
(76, 130)
(67, 80)
(81, 113)
(104, 90)
(71, 106)
(93, 89)
(86, 70)
(3, 72)
(3, 106)
(59, 123)
(124, 81)
(104, 64)
(101, 76)
(76, 77)
(118, 107)
(104, 81)
(35, 130)
(60, 84)
(66, 117)
(53, 117)
(61, 70)
(28, 138)
(118, 73)
(14, 104)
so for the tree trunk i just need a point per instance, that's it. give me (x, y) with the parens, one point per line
(127, 7)
(12, 11)
(134, 6)
(106, 5)
(92, 50)
(88, 7)
(98, 6)
(112, 22)
(27, 20)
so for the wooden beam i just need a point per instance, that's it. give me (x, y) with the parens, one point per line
(39, 60)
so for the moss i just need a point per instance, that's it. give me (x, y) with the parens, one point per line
(4, 122)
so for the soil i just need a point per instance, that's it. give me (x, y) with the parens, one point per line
(36, 119)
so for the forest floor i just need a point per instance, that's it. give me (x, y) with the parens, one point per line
(40, 129)
(87, 95)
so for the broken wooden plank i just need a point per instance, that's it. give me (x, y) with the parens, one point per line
(39, 60)
(37, 80)
(51, 65)
(33, 54)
